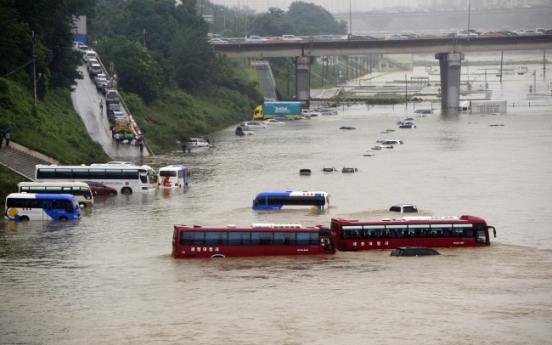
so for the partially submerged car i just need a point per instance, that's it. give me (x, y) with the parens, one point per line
(98, 188)
(198, 142)
(403, 208)
(413, 251)
(349, 170)
(328, 168)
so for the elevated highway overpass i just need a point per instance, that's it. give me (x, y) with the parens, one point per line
(412, 46)
(448, 50)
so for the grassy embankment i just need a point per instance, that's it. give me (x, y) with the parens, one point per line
(56, 130)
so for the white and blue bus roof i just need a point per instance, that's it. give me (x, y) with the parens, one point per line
(40, 196)
(272, 200)
(292, 193)
(173, 167)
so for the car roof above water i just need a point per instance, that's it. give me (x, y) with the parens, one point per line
(413, 251)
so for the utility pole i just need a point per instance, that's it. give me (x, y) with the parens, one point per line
(469, 15)
(535, 81)
(406, 91)
(544, 64)
(145, 35)
(34, 65)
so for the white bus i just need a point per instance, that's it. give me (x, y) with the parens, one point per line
(27, 206)
(127, 179)
(80, 190)
(173, 176)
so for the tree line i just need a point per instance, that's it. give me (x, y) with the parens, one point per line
(153, 44)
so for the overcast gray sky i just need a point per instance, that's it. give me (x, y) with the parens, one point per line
(332, 6)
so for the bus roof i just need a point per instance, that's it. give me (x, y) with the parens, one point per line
(40, 196)
(173, 167)
(94, 165)
(410, 220)
(293, 193)
(253, 227)
(75, 183)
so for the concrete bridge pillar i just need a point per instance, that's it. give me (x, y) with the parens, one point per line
(450, 64)
(302, 72)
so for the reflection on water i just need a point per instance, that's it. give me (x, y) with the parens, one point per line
(109, 277)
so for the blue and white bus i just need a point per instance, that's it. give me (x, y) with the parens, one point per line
(275, 200)
(31, 206)
(173, 176)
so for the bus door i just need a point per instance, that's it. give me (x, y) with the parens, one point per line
(327, 241)
(47, 209)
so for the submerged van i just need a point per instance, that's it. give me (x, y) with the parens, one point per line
(413, 251)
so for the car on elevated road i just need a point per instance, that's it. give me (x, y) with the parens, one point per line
(291, 38)
(255, 39)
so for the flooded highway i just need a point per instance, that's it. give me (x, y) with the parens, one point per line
(86, 100)
(109, 278)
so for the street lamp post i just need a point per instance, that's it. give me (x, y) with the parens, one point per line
(535, 81)
(469, 15)
(350, 18)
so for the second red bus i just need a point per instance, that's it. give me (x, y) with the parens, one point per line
(449, 231)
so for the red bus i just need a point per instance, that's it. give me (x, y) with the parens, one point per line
(449, 231)
(196, 241)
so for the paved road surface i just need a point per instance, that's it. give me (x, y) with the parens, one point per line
(86, 100)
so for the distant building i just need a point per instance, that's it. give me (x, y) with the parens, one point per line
(395, 62)
(79, 29)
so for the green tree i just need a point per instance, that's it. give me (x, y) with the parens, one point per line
(315, 20)
(52, 23)
(137, 70)
(193, 59)
(302, 19)
(15, 43)
(152, 22)
(273, 23)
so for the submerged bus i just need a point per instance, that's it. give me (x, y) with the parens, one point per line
(448, 231)
(274, 200)
(27, 206)
(126, 178)
(80, 190)
(173, 176)
(195, 241)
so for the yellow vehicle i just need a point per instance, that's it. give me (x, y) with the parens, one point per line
(122, 126)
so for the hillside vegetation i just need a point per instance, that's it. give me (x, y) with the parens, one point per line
(173, 80)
